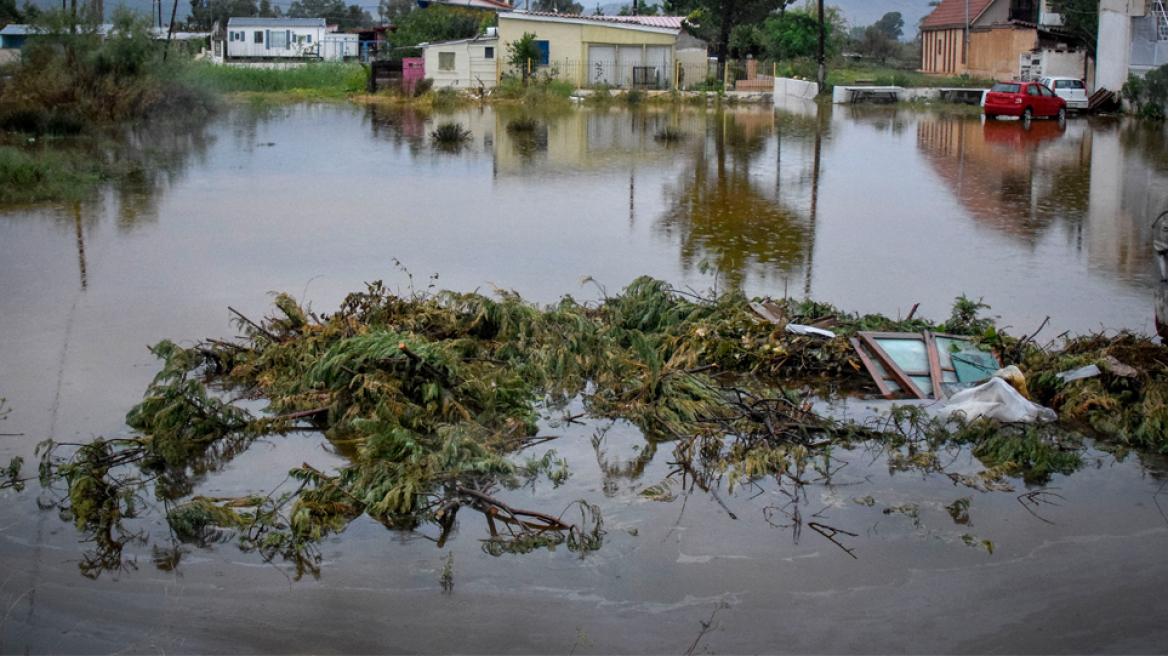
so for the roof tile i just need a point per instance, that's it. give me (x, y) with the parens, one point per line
(952, 12)
(668, 22)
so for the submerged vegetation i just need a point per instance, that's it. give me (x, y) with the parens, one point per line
(437, 396)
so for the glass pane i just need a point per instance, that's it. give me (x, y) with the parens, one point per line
(908, 354)
(924, 384)
(945, 348)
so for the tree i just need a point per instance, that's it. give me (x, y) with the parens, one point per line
(392, 11)
(558, 6)
(714, 21)
(437, 23)
(639, 9)
(1081, 17)
(791, 34)
(891, 25)
(334, 12)
(204, 13)
(10, 13)
(877, 44)
(522, 52)
(794, 33)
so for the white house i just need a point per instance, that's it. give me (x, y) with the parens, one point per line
(465, 63)
(268, 39)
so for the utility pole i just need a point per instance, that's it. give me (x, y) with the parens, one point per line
(965, 49)
(822, 46)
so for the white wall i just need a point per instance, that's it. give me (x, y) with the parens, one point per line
(1112, 49)
(471, 65)
(335, 47)
(1068, 64)
(302, 42)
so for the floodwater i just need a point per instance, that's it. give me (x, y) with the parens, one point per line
(871, 209)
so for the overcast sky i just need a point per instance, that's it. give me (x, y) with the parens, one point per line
(857, 12)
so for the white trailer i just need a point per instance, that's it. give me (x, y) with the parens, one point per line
(258, 39)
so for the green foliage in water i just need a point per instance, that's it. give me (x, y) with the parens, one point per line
(435, 394)
(450, 135)
(31, 176)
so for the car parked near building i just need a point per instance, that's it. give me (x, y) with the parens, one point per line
(1069, 89)
(1024, 99)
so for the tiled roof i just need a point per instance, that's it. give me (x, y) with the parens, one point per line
(479, 4)
(667, 22)
(952, 13)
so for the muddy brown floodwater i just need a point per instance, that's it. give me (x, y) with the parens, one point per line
(871, 209)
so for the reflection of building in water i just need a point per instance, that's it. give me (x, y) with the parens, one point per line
(1018, 179)
(1128, 191)
(590, 139)
(744, 203)
(411, 127)
(1024, 182)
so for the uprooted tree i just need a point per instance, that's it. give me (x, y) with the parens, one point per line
(437, 396)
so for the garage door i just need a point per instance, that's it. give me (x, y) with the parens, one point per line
(602, 65)
(628, 57)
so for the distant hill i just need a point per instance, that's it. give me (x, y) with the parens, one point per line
(857, 12)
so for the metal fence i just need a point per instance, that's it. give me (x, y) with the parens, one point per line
(745, 75)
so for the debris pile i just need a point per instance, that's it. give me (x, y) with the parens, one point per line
(434, 397)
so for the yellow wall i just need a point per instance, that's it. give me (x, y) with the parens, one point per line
(569, 41)
(994, 54)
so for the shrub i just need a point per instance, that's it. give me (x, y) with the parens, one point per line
(1148, 94)
(669, 136)
(450, 136)
(423, 86)
(71, 77)
(522, 125)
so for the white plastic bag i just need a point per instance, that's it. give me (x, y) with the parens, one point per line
(799, 329)
(994, 399)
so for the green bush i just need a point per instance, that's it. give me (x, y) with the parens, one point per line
(1148, 94)
(324, 78)
(71, 77)
(32, 177)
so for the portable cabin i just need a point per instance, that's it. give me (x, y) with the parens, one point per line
(464, 63)
(259, 39)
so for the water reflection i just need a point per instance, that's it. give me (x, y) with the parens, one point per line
(142, 162)
(1018, 179)
(721, 213)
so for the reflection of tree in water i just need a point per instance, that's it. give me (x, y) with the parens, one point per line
(153, 157)
(720, 213)
(401, 126)
(615, 469)
(1149, 139)
(139, 162)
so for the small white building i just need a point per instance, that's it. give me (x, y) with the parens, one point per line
(266, 39)
(465, 63)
